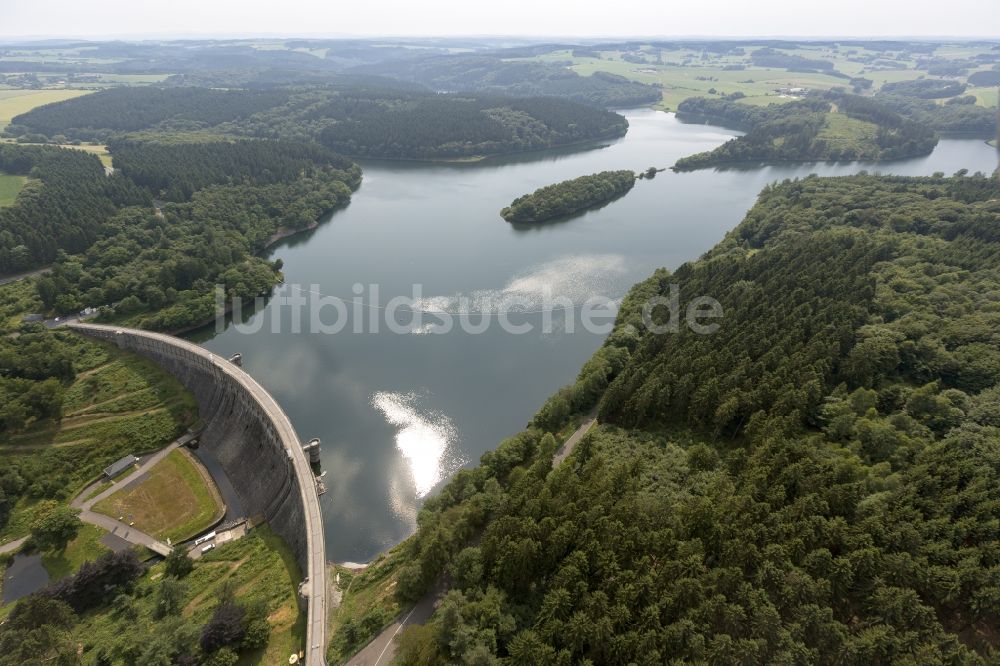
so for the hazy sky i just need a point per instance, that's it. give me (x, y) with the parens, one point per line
(91, 18)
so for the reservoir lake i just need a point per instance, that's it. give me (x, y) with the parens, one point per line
(399, 412)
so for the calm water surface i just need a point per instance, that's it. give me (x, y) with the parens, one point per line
(399, 413)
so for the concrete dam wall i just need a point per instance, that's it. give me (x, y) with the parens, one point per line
(257, 447)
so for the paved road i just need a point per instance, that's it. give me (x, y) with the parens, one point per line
(124, 531)
(116, 527)
(382, 650)
(7, 279)
(574, 439)
(12, 546)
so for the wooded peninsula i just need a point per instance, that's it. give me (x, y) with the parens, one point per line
(829, 127)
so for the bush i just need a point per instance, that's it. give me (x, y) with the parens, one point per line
(97, 582)
(224, 628)
(178, 564)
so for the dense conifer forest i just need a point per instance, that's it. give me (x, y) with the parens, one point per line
(95, 117)
(569, 196)
(497, 74)
(816, 482)
(62, 207)
(355, 120)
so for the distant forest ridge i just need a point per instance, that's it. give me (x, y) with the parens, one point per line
(355, 120)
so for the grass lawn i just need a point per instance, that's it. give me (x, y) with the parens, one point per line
(984, 96)
(367, 606)
(100, 151)
(97, 149)
(16, 102)
(84, 548)
(176, 501)
(120, 403)
(9, 187)
(842, 132)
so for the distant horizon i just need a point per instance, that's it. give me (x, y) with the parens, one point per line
(185, 36)
(521, 19)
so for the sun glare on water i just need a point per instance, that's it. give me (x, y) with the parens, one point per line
(423, 438)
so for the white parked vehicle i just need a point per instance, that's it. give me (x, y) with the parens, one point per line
(202, 539)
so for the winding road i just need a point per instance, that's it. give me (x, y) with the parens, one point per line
(567, 448)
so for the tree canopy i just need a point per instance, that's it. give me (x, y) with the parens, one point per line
(360, 120)
(569, 196)
(816, 482)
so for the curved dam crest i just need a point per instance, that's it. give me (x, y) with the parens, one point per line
(258, 448)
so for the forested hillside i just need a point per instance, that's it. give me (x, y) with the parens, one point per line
(95, 117)
(816, 482)
(458, 126)
(111, 247)
(176, 170)
(355, 120)
(112, 250)
(159, 268)
(828, 127)
(958, 114)
(496, 74)
(61, 207)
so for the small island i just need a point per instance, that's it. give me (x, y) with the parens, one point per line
(569, 196)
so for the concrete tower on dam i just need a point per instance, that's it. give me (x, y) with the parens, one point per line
(258, 448)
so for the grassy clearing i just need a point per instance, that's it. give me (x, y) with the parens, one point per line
(16, 102)
(176, 501)
(99, 150)
(119, 403)
(84, 548)
(17, 298)
(842, 132)
(984, 96)
(367, 605)
(9, 187)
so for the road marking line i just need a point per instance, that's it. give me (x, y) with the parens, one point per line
(393, 637)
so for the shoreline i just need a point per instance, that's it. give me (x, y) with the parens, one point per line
(477, 159)
(752, 164)
(275, 238)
